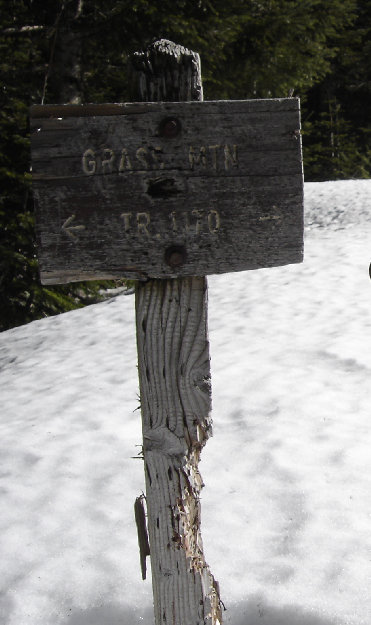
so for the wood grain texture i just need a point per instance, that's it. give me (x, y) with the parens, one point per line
(175, 391)
(173, 353)
(113, 194)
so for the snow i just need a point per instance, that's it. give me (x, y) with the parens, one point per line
(286, 510)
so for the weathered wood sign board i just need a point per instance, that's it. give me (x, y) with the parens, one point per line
(166, 189)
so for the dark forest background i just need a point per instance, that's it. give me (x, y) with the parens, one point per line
(77, 51)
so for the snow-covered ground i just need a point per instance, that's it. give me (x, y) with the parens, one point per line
(286, 511)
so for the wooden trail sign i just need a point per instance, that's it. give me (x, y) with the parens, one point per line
(164, 189)
(170, 190)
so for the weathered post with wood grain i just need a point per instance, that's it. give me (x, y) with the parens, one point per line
(174, 376)
(167, 190)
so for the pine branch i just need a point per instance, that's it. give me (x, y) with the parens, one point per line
(23, 30)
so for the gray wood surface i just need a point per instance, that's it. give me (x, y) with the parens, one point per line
(175, 394)
(118, 187)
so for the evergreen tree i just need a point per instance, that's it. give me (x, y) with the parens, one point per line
(283, 46)
(337, 110)
(331, 148)
(24, 43)
(77, 51)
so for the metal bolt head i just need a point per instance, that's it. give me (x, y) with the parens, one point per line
(170, 127)
(175, 256)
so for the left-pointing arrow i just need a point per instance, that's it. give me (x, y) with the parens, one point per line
(72, 231)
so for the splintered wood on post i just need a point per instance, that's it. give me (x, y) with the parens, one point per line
(166, 189)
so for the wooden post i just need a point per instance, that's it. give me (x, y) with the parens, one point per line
(174, 377)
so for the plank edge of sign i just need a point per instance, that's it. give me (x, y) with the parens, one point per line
(40, 111)
(60, 276)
